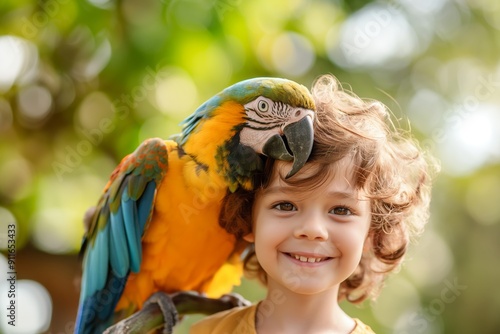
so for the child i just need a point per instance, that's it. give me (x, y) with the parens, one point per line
(335, 229)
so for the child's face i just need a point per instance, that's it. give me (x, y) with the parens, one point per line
(309, 241)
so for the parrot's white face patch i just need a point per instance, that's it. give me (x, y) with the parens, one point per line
(266, 118)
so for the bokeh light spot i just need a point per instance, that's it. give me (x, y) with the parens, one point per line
(425, 110)
(98, 61)
(57, 226)
(94, 108)
(470, 139)
(11, 61)
(292, 54)
(50, 233)
(176, 92)
(18, 184)
(209, 64)
(101, 3)
(17, 56)
(376, 35)
(424, 272)
(426, 7)
(35, 103)
(318, 21)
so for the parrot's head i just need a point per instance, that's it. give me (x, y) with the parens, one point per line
(258, 117)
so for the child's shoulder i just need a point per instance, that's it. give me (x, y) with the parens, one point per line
(361, 328)
(235, 320)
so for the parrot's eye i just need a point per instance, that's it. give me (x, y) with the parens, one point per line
(263, 106)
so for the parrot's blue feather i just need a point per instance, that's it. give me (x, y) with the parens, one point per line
(85, 278)
(98, 260)
(93, 280)
(129, 211)
(95, 313)
(118, 252)
(145, 203)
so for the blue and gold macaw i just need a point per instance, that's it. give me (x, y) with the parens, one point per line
(155, 227)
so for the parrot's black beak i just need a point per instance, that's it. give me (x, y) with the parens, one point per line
(296, 144)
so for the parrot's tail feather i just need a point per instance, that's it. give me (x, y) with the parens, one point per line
(95, 314)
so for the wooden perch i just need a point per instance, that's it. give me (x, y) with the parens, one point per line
(150, 318)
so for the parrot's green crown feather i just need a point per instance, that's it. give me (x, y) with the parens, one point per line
(276, 89)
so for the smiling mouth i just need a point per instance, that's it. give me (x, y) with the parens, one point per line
(302, 258)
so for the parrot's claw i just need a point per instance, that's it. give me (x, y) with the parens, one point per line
(157, 313)
(168, 309)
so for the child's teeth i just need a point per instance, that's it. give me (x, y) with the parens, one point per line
(306, 259)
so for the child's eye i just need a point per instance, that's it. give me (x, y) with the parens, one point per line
(285, 206)
(341, 211)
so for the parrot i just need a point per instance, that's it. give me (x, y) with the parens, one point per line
(156, 225)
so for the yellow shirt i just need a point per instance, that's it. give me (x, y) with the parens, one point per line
(241, 320)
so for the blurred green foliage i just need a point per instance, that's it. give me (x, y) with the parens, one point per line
(83, 82)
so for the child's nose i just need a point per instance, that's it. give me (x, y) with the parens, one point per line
(312, 227)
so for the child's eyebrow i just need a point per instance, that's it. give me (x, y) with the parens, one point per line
(344, 194)
(275, 189)
(352, 195)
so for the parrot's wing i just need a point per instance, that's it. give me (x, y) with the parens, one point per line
(112, 246)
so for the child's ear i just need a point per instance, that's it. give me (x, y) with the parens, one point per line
(249, 237)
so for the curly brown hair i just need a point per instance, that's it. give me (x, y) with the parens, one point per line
(388, 165)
